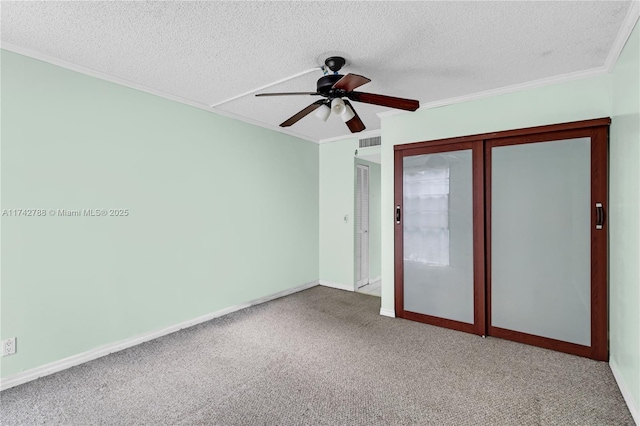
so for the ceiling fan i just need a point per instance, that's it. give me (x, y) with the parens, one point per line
(334, 87)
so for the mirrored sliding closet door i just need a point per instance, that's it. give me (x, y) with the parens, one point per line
(505, 234)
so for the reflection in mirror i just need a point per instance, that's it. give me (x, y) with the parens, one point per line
(438, 235)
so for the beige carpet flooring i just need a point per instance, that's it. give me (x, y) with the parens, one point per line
(323, 357)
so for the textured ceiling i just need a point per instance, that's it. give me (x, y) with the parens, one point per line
(209, 52)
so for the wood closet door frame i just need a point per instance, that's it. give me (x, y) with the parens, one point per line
(479, 315)
(598, 131)
(599, 182)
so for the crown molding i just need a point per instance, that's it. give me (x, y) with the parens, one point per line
(623, 35)
(361, 135)
(633, 14)
(142, 88)
(98, 74)
(394, 112)
(505, 90)
(262, 124)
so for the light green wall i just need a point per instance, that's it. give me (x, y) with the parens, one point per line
(624, 217)
(336, 201)
(374, 217)
(615, 95)
(206, 196)
(221, 212)
(558, 103)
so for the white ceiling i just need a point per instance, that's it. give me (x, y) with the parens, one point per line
(205, 53)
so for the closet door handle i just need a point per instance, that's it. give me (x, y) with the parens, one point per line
(398, 214)
(599, 216)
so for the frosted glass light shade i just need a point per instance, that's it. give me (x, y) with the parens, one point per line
(337, 106)
(348, 114)
(323, 112)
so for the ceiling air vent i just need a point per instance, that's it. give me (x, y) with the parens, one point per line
(374, 141)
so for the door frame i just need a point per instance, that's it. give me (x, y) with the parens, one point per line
(597, 130)
(479, 316)
(598, 348)
(358, 260)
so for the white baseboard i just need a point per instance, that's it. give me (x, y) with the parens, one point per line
(375, 280)
(626, 394)
(388, 312)
(339, 286)
(100, 351)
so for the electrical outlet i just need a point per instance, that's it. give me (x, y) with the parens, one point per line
(9, 346)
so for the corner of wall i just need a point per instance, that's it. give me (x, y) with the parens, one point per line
(624, 228)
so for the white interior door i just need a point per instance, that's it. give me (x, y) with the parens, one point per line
(362, 225)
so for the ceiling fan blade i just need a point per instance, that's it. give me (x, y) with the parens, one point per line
(350, 82)
(382, 100)
(295, 118)
(355, 124)
(287, 94)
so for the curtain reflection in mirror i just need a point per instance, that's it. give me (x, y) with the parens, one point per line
(426, 209)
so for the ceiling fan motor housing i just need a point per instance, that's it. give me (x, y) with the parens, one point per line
(333, 87)
(326, 83)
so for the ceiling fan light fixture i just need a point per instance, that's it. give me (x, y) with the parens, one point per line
(334, 87)
(348, 114)
(323, 112)
(338, 106)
